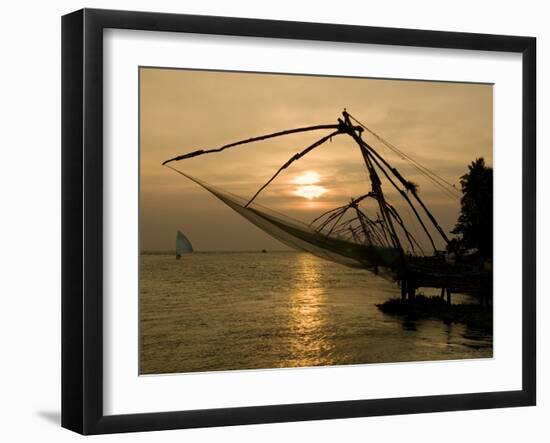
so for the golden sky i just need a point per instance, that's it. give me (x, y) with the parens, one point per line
(444, 126)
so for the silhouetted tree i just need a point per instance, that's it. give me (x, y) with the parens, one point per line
(475, 223)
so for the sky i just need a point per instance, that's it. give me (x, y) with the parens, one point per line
(443, 126)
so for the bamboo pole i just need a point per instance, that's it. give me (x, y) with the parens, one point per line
(251, 140)
(410, 188)
(408, 235)
(336, 222)
(377, 187)
(363, 225)
(379, 233)
(292, 160)
(407, 199)
(375, 180)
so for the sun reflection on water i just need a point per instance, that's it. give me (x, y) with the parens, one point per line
(309, 344)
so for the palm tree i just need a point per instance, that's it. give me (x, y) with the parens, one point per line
(475, 223)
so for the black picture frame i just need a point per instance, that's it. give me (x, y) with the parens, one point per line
(82, 219)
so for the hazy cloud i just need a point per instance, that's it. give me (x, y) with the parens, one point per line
(442, 125)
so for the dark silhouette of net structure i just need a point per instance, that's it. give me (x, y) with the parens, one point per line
(377, 240)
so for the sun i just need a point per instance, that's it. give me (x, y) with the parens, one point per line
(307, 178)
(307, 185)
(310, 191)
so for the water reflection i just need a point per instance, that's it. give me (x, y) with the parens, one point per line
(280, 310)
(308, 342)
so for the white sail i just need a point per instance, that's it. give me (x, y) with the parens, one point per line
(183, 245)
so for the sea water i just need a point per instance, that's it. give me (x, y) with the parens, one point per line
(249, 310)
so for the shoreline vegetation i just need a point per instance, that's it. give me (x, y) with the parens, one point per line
(422, 307)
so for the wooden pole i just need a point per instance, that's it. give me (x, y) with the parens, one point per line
(404, 195)
(292, 160)
(411, 286)
(375, 180)
(403, 289)
(251, 140)
(364, 227)
(412, 190)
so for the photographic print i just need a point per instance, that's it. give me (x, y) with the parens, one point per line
(294, 221)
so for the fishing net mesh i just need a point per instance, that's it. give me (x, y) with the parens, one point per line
(303, 237)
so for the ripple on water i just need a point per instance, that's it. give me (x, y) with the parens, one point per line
(224, 311)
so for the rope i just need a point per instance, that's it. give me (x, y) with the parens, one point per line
(443, 184)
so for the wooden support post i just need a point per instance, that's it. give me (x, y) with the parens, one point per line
(411, 287)
(442, 295)
(449, 295)
(412, 292)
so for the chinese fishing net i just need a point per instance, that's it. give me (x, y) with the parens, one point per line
(304, 237)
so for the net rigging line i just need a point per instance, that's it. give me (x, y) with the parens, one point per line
(443, 184)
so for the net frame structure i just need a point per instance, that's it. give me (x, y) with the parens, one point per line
(381, 241)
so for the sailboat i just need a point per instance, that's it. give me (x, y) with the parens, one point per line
(183, 245)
